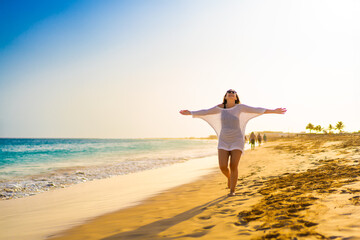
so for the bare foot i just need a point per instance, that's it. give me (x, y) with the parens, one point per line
(231, 194)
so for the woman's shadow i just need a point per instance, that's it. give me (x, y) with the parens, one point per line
(151, 230)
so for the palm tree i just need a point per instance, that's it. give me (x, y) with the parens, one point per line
(310, 127)
(330, 128)
(340, 126)
(318, 128)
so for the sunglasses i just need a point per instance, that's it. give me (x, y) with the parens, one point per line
(231, 92)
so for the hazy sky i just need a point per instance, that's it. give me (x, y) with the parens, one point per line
(124, 69)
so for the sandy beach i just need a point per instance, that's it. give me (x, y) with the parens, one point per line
(52, 211)
(305, 187)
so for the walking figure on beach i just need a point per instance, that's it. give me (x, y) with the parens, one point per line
(265, 138)
(229, 120)
(259, 139)
(252, 140)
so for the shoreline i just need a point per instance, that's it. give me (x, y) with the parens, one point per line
(63, 208)
(31, 185)
(20, 181)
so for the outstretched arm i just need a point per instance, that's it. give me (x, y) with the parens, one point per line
(249, 109)
(212, 110)
(276, 111)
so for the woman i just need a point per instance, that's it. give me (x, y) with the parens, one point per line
(229, 120)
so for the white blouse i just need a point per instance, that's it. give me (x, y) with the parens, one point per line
(229, 123)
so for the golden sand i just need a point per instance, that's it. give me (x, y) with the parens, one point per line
(47, 213)
(303, 187)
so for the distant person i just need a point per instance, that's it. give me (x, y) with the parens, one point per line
(265, 138)
(252, 140)
(259, 139)
(229, 121)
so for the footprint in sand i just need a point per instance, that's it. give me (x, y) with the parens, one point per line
(242, 199)
(229, 202)
(279, 225)
(297, 227)
(355, 200)
(209, 227)
(227, 210)
(219, 205)
(196, 234)
(256, 185)
(272, 235)
(244, 233)
(282, 218)
(204, 217)
(246, 192)
(307, 223)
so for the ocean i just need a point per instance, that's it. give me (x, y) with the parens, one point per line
(30, 166)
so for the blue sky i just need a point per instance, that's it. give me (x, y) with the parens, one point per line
(17, 17)
(125, 68)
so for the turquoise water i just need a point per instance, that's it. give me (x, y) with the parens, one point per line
(20, 157)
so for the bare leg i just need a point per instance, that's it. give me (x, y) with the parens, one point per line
(223, 163)
(234, 163)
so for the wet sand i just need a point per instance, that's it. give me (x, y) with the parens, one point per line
(37, 217)
(305, 187)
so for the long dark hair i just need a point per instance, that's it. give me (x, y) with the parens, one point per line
(237, 101)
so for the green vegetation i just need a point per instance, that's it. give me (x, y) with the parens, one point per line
(339, 126)
(330, 128)
(310, 127)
